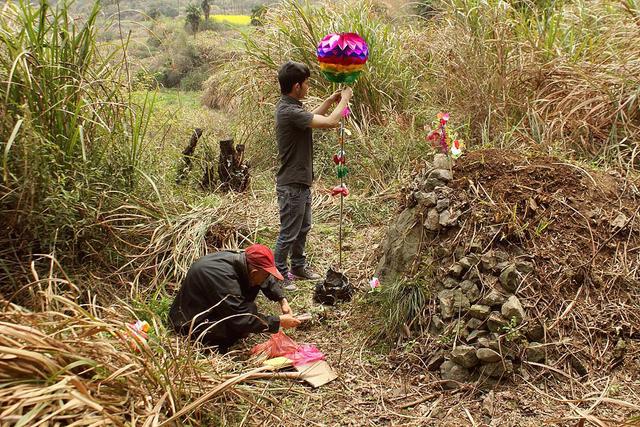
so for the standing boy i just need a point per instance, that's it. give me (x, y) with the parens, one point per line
(295, 150)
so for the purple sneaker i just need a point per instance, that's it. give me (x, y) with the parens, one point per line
(288, 284)
(303, 273)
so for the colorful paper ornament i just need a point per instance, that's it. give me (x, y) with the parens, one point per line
(342, 57)
(339, 158)
(341, 171)
(138, 334)
(340, 190)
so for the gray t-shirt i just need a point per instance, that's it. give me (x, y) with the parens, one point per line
(295, 142)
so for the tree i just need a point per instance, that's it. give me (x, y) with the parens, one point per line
(257, 14)
(193, 17)
(206, 9)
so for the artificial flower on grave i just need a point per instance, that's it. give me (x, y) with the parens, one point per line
(457, 146)
(444, 139)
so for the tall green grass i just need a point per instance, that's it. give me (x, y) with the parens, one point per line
(72, 137)
(402, 304)
(292, 30)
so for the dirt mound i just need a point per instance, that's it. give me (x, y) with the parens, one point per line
(537, 266)
(580, 227)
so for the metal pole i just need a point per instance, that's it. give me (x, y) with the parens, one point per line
(342, 153)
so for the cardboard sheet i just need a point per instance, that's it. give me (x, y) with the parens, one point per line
(317, 373)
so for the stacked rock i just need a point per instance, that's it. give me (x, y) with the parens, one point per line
(432, 195)
(480, 312)
(481, 323)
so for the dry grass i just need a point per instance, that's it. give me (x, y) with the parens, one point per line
(563, 77)
(160, 246)
(594, 105)
(76, 364)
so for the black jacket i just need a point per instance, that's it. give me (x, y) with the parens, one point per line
(217, 287)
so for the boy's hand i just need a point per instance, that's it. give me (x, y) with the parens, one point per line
(346, 94)
(287, 321)
(335, 97)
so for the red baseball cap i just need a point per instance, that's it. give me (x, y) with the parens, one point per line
(260, 256)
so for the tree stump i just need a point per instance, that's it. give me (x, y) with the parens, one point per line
(233, 171)
(185, 164)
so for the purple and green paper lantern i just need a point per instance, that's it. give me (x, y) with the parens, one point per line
(342, 57)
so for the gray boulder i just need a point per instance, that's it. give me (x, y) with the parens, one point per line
(488, 342)
(426, 200)
(493, 298)
(464, 355)
(432, 222)
(401, 246)
(442, 204)
(431, 183)
(513, 309)
(455, 374)
(488, 262)
(452, 302)
(448, 218)
(480, 312)
(441, 161)
(510, 278)
(487, 355)
(441, 175)
(470, 290)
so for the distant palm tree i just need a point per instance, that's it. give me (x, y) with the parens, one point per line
(193, 17)
(206, 9)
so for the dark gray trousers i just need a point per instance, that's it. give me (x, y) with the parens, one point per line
(294, 201)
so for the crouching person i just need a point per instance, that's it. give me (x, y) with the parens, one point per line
(216, 302)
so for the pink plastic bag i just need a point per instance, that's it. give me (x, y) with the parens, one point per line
(278, 345)
(281, 345)
(306, 354)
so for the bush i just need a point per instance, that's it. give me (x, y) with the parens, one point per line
(401, 306)
(195, 78)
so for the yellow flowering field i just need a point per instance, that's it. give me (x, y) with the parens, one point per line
(233, 19)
